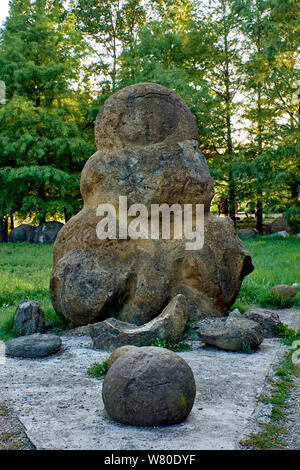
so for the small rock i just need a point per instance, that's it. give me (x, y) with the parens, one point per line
(149, 386)
(117, 353)
(268, 319)
(283, 290)
(247, 232)
(283, 233)
(33, 346)
(231, 334)
(279, 225)
(235, 313)
(29, 318)
(113, 333)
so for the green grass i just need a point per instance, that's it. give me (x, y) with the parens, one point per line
(25, 271)
(98, 370)
(172, 344)
(276, 261)
(269, 436)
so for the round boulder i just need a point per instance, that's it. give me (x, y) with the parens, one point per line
(22, 233)
(33, 346)
(117, 353)
(247, 232)
(149, 386)
(283, 290)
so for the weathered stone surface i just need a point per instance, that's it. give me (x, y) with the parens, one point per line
(279, 225)
(111, 333)
(149, 386)
(22, 233)
(232, 334)
(147, 151)
(33, 346)
(29, 318)
(283, 290)
(247, 232)
(47, 232)
(268, 319)
(78, 331)
(117, 353)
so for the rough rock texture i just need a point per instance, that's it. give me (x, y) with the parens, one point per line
(147, 145)
(149, 387)
(268, 319)
(29, 318)
(247, 233)
(283, 290)
(231, 334)
(33, 346)
(111, 333)
(117, 353)
(44, 233)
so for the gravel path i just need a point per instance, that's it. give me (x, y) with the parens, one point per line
(292, 437)
(61, 408)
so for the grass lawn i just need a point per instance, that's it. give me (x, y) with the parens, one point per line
(276, 261)
(25, 272)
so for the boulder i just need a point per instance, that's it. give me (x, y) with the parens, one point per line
(268, 319)
(247, 232)
(112, 333)
(232, 334)
(283, 290)
(279, 225)
(117, 353)
(33, 346)
(44, 233)
(283, 233)
(29, 318)
(47, 232)
(148, 152)
(149, 386)
(22, 233)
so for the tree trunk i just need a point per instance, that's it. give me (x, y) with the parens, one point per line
(12, 222)
(232, 196)
(3, 229)
(259, 213)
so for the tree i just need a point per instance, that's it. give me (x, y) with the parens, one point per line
(269, 70)
(42, 149)
(108, 27)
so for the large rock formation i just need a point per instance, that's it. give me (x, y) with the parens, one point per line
(147, 143)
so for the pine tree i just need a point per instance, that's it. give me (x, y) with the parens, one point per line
(42, 149)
